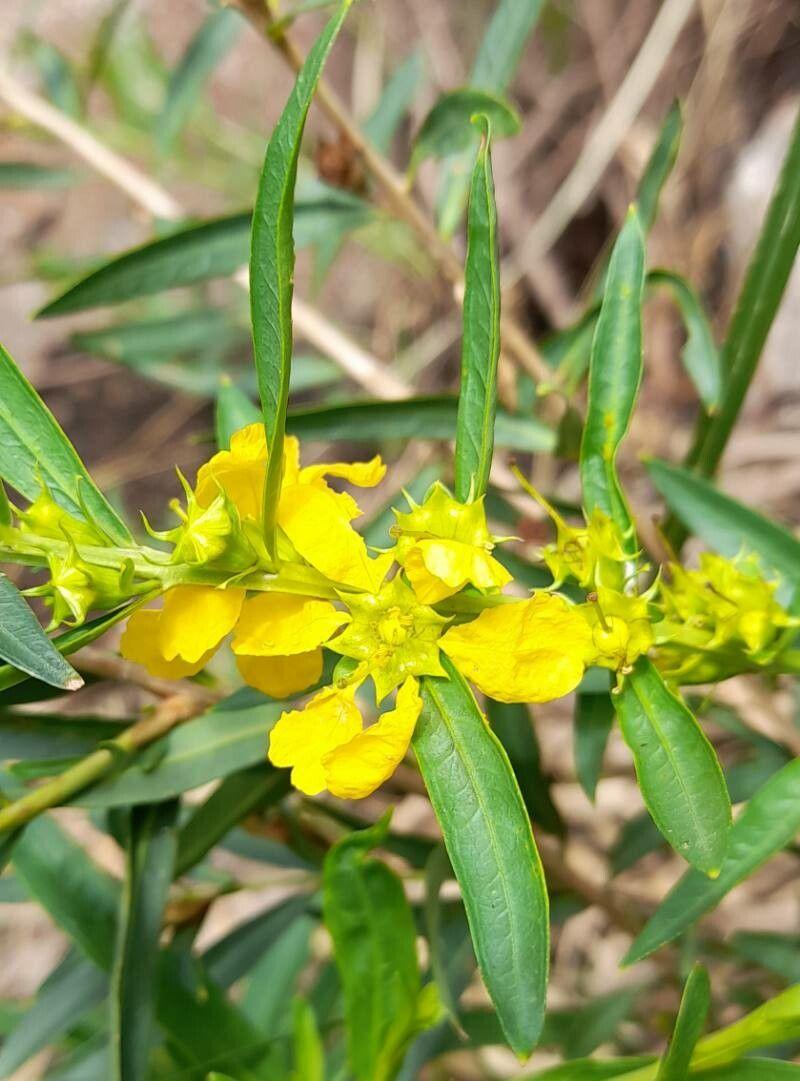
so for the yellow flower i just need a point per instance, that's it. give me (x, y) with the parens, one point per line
(591, 555)
(278, 641)
(178, 639)
(239, 472)
(621, 628)
(444, 545)
(719, 620)
(315, 518)
(328, 747)
(527, 651)
(393, 635)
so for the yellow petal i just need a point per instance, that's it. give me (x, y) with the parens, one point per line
(281, 676)
(301, 738)
(139, 643)
(239, 472)
(528, 651)
(428, 588)
(314, 522)
(362, 474)
(195, 619)
(279, 624)
(358, 767)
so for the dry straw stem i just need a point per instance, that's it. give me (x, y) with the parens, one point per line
(605, 139)
(356, 362)
(105, 665)
(166, 715)
(395, 189)
(147, 194)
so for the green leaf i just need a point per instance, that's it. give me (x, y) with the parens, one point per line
(497, 60)
(198, 253)
(448, 129)
(501, 48)
(578, 1032)
(150, 857)
(65, 643)
(204, 52)
(753, 1069)
(273, 979)
(309, 1054)
(227, 738)
(699, 354)
(472, 788)
(71, 990)
(437, 872)
(238, 952)
(233, 410)
(594, 716)
(272, 263)
(374, 943)
(431, 417)
(27, 174)
(34, 448)
(725, 524)
(695, 1004)
(776, 1021)
(658, 167)
(756, 306)
(25, 735)
(24, 644)
(55, 71)
(238, 796)
(677, 768)
(511, 723)
(84, 901)
(480, 351)
(615, 372)
(395, 101)
(79, 897)
(767, 824)
(590, 1070)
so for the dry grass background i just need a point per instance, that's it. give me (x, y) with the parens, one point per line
(736, 67)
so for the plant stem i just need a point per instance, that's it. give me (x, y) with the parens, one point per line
(396, 190)
(169, 713)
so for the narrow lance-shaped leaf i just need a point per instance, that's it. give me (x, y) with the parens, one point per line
(615, 372)
(699, 354)
(394, 102)
(488, 837)
(24, 644)
(447, 127)
(496, 62)
(34, 448)
(480, 348)
(272, 263)
(725, 524)
(202, 55)
(659, 166)
(677, 769)
(764, 285)
(373, 933)
(150, 856)
(594, 716)
(767, 824)
(695, 1004)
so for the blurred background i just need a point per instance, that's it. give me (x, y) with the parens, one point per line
(192, 107)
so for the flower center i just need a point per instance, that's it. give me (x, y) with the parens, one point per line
(394, 626)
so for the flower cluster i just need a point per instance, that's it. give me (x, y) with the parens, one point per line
(387, 617)
(384, 614)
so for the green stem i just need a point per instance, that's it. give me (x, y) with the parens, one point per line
(171, 712)
(150, 565)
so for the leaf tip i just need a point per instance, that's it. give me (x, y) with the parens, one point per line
(74, 683)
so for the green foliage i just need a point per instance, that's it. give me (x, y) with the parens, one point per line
(480, 351)
(363, 945)
(499, 871)
(677, 768)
